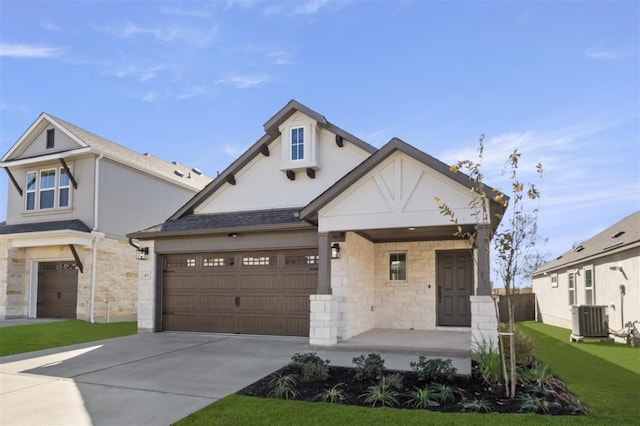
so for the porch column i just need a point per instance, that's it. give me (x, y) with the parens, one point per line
(324, 263)
(483, 245)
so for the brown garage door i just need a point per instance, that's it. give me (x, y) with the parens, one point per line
(253, 293)
(57, 290)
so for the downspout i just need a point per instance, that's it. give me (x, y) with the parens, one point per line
(94, 249)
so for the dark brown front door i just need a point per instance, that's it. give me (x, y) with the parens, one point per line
(455, 286)
(57, 290)
(250, 293)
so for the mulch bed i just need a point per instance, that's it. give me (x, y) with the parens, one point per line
(471, 388)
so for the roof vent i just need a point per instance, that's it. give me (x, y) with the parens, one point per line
(175, 163)
(578, 249)
(617, 234)
(146, 154)
(196, 171)
(178, 173)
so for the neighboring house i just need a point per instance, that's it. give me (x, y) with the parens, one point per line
(313, 232)
(73, 196)
(603, 270)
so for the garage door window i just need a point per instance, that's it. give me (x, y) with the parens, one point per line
(182, 263)
(260, 261)
(301, 260)
(217, 262)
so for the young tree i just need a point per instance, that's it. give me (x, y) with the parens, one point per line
(513, 242)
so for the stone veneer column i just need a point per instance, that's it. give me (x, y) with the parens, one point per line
(4, 264)
(147, 290)
(323, 325)
(484, 323)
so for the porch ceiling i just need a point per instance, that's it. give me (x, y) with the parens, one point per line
(419, 233)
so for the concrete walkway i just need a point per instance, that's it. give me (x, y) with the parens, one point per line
(159, 378)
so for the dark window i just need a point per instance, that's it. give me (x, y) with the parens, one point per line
(51, 135)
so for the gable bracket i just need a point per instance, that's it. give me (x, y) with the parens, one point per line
(13, 180)
(291, 175)
(264, 150)
(66, 169)
(339, 141)
(76, 257)
(231, 179)
(311, 173)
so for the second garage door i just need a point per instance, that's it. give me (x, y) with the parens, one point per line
(252, 293)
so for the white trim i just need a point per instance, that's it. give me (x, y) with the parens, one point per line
(33, 290)
(47, 157)
(50, 238)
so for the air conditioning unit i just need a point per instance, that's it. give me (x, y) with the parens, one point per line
(589, 321)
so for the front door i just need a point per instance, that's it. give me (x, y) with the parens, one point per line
(455, 286)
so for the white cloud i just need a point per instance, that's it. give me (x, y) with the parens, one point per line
(191, 92)
(142, 73)
(233, 151)
(192, 13)
(309, 7)
(29, 51)
(280, 57)
(50, 26)
(243, 81)
(150, 96)
(604, 52)
(167, 34)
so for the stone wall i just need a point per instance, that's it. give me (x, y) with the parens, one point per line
(116, 279)
(409, 304)
(352, 283)
(147, 290)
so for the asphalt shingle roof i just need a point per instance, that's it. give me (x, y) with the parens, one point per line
(70, 225)
(616, 237)
(230, 220)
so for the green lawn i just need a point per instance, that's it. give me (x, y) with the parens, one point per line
(605, 376)
(33, 337)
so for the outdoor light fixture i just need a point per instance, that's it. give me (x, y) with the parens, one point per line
(233, 235)
(335, 251)
(142, 253)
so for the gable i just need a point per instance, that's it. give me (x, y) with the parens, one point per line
(400, 191)
(263, 181)
(33, 142)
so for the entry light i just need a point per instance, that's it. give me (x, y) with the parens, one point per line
(142, 253)
(335, 251)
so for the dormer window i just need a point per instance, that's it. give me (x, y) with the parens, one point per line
(51, 135)
(297, 144)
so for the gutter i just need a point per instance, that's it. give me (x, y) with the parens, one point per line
(154, 235)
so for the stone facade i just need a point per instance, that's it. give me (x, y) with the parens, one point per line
(484, 322)
(323, 326)
(147, 291)
(116, 277)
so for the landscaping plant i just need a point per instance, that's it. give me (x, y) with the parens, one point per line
(370, 367)
(434, 369)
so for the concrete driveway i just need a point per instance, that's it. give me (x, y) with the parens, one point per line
(144, 379)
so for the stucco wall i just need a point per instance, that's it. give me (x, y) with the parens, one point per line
(553, 302)
(409, 304)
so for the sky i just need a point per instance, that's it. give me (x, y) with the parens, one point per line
(194, 82)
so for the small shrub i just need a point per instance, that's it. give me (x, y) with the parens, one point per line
(380, 394)
(538, 373)
(312, 367)
(444, 393)
(332, 395)
(477, 406)
(421, 399)
(435, 370)
(283, 387)
(394, 381)
(370, 367)
(524, 346)
(489, 364)
(535, 404)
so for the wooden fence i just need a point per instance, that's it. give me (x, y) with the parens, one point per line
(524, 307)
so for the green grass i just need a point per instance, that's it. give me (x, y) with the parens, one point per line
(605, 376)
(33, 337)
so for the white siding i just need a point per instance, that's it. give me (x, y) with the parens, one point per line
(38, 146)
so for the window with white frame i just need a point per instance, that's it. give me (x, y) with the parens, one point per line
(47, 189)
(572, 288)
(398, 266)
(589, 298)
(554, 280)
(297, 143)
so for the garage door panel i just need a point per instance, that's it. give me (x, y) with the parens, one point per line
(254, 293)
(57, 294)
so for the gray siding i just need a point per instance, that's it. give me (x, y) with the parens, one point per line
(131, 200)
